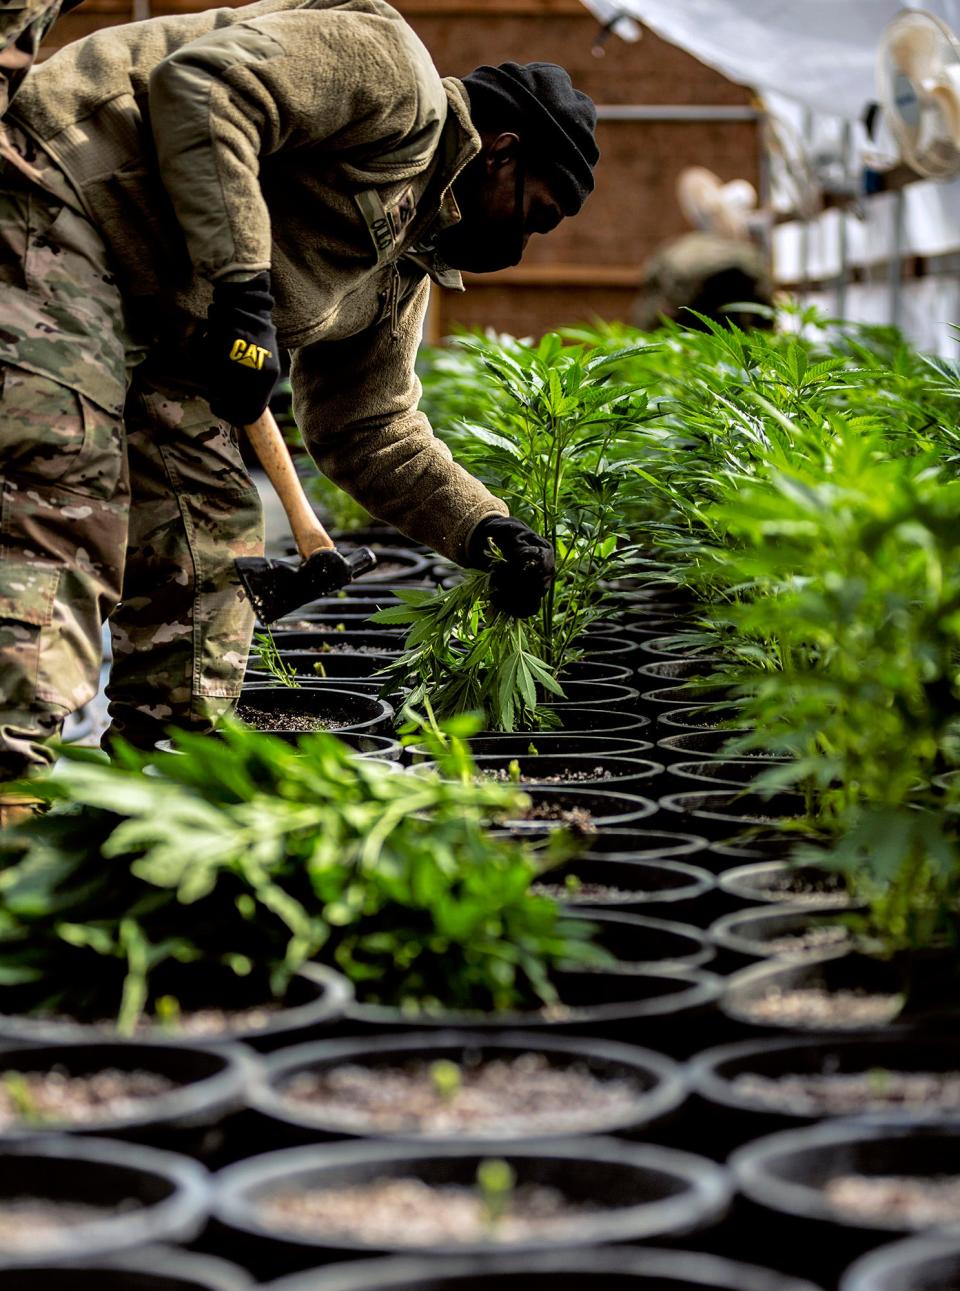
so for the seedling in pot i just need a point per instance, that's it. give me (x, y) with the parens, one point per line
(496, 1180)
(271, 661)
(446, 1078)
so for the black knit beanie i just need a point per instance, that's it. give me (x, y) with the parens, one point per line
(540, 102)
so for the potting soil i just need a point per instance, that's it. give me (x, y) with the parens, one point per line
(501, 1097)
(54, 1097)
(409, 1212)
(584, 893)
(812, 1006)
(285, 719)
(896, 1201)
(31, 1224)
(853, 1093)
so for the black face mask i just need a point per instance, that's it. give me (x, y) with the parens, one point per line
(481, 245)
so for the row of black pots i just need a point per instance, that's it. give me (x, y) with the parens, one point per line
(929, 1263)
(223, 1106)
(626, 1192)
(636, 1193)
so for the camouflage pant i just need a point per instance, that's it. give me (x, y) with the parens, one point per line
(121, 497)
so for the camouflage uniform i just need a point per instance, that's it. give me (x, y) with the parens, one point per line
(111, 489)
(23, 25)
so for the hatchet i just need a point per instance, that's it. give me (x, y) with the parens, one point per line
(277, 587)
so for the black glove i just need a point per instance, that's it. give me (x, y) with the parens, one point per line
(520, 581)
(242, 360)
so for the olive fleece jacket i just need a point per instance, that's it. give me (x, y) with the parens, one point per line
(311, 137)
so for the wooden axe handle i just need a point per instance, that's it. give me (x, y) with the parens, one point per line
(271, 448)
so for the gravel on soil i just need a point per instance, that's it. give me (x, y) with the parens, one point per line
(192, 1022)
(813, 1006)
(566, 777)
(31, 1224)
(285, 719)
(853, 1093)
(409, 1212)
(56, 1097)
(904, 1201)
(584, 893)
(497, 1098)
(811, 939)
(793, 888)
(577, 819)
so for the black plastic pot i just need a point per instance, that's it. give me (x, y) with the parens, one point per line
(348, 710)
(146, 1195)
(627, 775)
(606, 810)
(327, 622)
(645, 845)
(326, 639)
(753, 847)
(620, 1268)
(784, 1177)
(737, 773)
(635, 1193)
(784, 883)
(352, 667)
(314, 1001)
(595, 694)
(671, 1012)
(719, 813)
(690, 693)
(737, 1115)
(597, 670)
(546, 745)
(685, 716)
(611, 646)
(377, 535)
(670, 645)
(208, 1084)
(413, 565)
(371, 746)
(286, 1122)
(745, 936)
(660, 673)
(365, 746)
(642, 944)
(846, 973)
(162, 1270)
(928, 1263)
(578, 720)
(668, 889)
(703, 744)
(354, 607)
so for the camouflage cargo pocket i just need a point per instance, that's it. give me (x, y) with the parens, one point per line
(53, 435)
(27, 595)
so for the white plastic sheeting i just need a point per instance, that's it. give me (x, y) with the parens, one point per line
(813, 62)
(821, 53)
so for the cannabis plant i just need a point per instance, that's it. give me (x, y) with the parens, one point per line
(246, 856)
(541, 425)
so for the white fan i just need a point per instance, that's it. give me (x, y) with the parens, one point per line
(918, 84)
(710, 204)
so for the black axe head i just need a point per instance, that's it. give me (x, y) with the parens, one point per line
(278, 587)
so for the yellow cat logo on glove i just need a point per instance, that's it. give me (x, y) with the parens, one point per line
(250, 355)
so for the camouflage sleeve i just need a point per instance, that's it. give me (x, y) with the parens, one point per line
(23, 25)
(296, 78)
(356, 404)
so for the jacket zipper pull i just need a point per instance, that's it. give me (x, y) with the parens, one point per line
(395, 303)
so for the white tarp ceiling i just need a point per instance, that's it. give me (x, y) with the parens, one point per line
(819, 53)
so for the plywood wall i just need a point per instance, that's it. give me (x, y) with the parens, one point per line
(590, 266)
